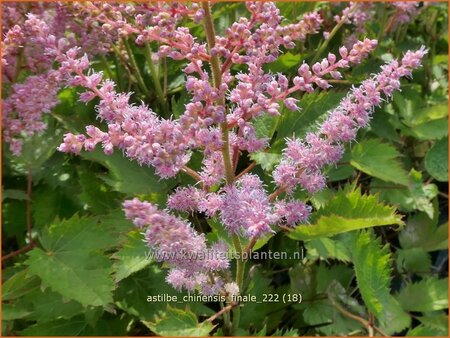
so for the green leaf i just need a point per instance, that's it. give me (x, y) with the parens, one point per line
(346, 212)
(37, 150)
(382, 125)
(48, 306)
(267, 161)
(436, 321)
(293, 11)
(254, 314)
(133, 292)
(313, 107)
(327, 319)
(436, 160)
(128, 176)
(131, 258)
(327, 248)
(71, 261)
(60, 327)
(373, 275)
(321, 312)
(285, 62)
(341, 170)
(431, 130)
(393, 319)
(285, 333)
(110, 326)
(430, 294)
(19, 285)
(265, 125)
(417, 195)
(14, 194)
(421, 232)
(12, 312)
(372, 269)
(425, 331)
(380, 160)
(414, 260)
(179, 323)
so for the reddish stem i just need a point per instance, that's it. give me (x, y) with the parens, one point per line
(26, 248)
(246, 170)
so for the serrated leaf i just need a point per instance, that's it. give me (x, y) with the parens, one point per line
(48, 306)
(285, 333)
(413, 260)
(179, 323)
(321, 312)
(19, 285)
(14, 194)
(430, 294)
(436, 160)
(372, 269)
(380, 160)
(373, 274)
(431, 130)
(132, 257)
(12, 312)
(267, 161)
(71, 261)
(265, 126)
(437, 321)
(346, 212)
(327, 248)
(284, 62)
(60, 327)
(425, 331)
(421, 232)
(313, 106)
(131, 295)
(128, 176)
(255, 314)
(417, 195)
(37, 149)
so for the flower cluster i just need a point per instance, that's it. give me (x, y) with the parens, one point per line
(193, 264)
(228, 84)
(405, 11)
(304, 160)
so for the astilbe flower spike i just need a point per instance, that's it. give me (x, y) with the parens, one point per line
(303, 160)
(176, 243)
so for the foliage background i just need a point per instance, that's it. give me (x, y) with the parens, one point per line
(88, 274)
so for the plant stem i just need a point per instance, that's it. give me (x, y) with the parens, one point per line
(106, 66)
(348, 314)
(246, 170)
(155, 79)
(333, 33)
(118, 78)
(240, 267)
(31, 243)
(276, 193)
(222, 311)
(135, 67)
(194, 175)
(24, 249)
(217, 80)
(164, 62)
(29, 190)
(228, 165)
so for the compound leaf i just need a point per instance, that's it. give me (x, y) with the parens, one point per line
(380, 160)
(347, 212)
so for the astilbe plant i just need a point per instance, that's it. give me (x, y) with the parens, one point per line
(218, 122)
